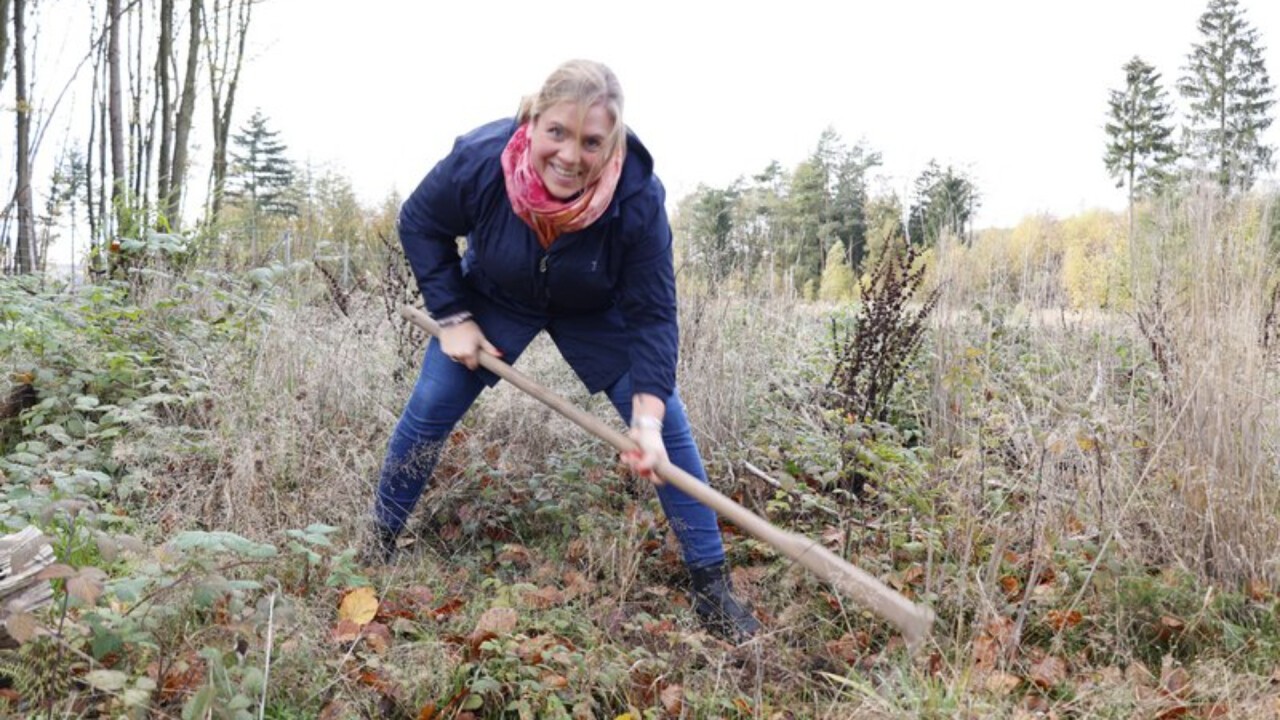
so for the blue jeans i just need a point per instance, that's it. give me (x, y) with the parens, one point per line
(445, 391)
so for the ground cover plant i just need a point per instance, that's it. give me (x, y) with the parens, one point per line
(1088, 500)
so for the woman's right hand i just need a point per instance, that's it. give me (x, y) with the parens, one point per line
(463, 342)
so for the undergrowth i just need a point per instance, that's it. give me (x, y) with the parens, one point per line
(203, 447)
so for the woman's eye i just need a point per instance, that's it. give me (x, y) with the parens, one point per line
(593, 144)
(555, 131)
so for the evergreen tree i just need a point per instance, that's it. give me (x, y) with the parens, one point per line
(262, 174)
(1229, 91)
(945, 202)
(707, 223)
(1140, 151)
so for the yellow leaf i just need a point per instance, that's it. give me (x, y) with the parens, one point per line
(359, 606)
(1086, 443)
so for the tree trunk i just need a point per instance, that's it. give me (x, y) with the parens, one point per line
(186, 113)
(222, 43)
(115, 113)
(164, 56)
(89, 167)
(4, 40)
(140, 134)
(25, 257)
(22, 556)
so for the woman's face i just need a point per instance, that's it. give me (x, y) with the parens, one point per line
(568, 147)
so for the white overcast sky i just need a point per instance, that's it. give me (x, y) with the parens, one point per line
(1014, 91)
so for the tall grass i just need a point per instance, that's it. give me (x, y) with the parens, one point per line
(1155, 422)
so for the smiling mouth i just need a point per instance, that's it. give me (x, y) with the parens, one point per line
(564, 174)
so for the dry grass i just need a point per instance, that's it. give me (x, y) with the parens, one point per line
(1055, 441)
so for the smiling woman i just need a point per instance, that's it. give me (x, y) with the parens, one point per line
(566, 232)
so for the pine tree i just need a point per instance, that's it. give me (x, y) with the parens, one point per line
(1229, 91)
(946, 201)
(262, 173)
(1140, 151)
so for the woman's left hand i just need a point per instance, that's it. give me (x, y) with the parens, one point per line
(649, 453)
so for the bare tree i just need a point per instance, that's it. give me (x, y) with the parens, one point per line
(164, 56)
(4, 39)
(226, 31)
(25, 256)
(176, 123)
(115, 109)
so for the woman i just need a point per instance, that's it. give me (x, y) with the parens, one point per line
(566, 232)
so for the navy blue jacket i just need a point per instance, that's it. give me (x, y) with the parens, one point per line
(605, 294)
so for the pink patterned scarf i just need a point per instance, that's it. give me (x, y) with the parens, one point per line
(549, 216)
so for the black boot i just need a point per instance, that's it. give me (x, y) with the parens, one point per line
(381, 548)
(717, 608)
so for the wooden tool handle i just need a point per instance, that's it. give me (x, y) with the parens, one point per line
(912, 620)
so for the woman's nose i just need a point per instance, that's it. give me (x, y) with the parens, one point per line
(570, 153)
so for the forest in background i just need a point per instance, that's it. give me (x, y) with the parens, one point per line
(1061, 436)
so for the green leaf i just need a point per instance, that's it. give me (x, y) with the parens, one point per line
(473, 702)
(33, 446)
(129, 589)
(107, 680)
(105, 642)
(87, 402)
(23, 458)
(221, 542)
(198, 706)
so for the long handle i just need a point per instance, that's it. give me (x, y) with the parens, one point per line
(912, 620)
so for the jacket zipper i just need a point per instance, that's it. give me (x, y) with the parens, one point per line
(542, 270)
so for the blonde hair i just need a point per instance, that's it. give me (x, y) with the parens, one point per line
(585, 82)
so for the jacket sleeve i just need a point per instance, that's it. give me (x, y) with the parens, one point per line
(430, 223)
(647, 298)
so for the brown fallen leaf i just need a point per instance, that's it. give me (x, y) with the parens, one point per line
(1001, 683)
(672, 697)
(515, 554)
(345, 631)
(377, 636)
(1169, 627)
(418, 595)
(1048, 672)
(1036, 704)
(543, 598)
(447, 608)
(576, 585)
(336, 710)
(554, 681)
(498, 620)
(1138, 675)
(1062, 619)
(986, 653)
(1175, 682)
(1216, 710)
(1011, 586)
